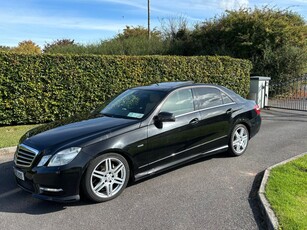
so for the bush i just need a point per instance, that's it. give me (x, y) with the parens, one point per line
(41, 88)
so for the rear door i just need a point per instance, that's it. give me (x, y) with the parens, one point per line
(215, 108)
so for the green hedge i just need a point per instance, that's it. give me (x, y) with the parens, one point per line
(41, 88)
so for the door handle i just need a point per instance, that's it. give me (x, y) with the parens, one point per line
(194, 121)
(229, 111)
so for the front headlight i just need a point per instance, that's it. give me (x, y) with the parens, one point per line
(64, 157)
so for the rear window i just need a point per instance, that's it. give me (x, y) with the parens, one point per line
(226, 99)
(236, 97)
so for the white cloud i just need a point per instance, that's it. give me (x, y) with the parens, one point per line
(165, 8)
(61, 22)
(137, 4)
(233, 4)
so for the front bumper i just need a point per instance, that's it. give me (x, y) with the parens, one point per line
(63, 185)
(60, 184)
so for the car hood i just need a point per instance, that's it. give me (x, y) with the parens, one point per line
(75, 130)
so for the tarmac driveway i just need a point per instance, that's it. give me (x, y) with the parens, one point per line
(213, 193)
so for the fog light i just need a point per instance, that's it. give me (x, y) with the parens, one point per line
(50, 189)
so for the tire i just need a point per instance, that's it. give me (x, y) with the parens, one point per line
(238, 141)
(106, 177)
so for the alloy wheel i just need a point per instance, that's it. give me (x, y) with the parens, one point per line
(108, 177)
(240, 139)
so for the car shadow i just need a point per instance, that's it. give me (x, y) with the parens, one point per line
(14, 200)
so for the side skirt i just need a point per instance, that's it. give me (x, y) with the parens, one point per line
(161, 168)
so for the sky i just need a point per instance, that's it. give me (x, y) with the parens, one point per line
(90, 21)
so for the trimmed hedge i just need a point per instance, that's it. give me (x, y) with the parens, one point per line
(41, 88)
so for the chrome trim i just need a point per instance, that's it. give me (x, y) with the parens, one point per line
(175, 154)
(201, 144)
(50, 189)
(23, 146)
(217, 149)
(25, 155)
(201, 110)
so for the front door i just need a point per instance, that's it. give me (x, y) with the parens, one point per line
(174, 138)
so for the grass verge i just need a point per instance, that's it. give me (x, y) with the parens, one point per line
(286, 191)
(10, 135)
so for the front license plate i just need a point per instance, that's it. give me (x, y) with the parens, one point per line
(19, 174)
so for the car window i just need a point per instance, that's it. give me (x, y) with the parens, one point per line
(207, 97)
(180, 102)
(226, 99)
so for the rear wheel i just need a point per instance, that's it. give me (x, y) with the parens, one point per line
(106, 177)
(238, 140)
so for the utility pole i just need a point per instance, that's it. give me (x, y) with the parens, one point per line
(148, 6)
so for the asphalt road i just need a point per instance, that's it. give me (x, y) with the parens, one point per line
(213, 193)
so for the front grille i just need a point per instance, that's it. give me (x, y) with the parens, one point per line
(25, 155)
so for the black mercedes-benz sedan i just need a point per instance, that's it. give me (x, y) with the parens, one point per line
(140, 132)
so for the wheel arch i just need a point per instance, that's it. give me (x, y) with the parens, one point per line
(237, 123)
(243, 121)
(117, 151)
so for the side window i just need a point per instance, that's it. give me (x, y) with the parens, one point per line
(180, 102)
(207, 97)
(226, 98)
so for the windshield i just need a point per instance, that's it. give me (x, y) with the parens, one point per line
(134, 104)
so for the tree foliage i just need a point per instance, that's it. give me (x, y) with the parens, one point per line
(274, 40)
(5, 49)
(177, 35)
(132, 41)
(135, 41)
(59, 45)
(260, 35)
(139, 31)
(27, 47)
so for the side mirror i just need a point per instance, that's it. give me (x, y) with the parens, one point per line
(165, 116)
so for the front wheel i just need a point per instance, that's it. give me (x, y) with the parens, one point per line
(106, 177)
(238, 140)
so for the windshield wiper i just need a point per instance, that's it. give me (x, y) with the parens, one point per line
(118, 116)
(107, 115)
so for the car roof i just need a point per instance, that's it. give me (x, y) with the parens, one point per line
(170, 86)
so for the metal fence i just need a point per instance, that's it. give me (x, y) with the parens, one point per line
(289, 95)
